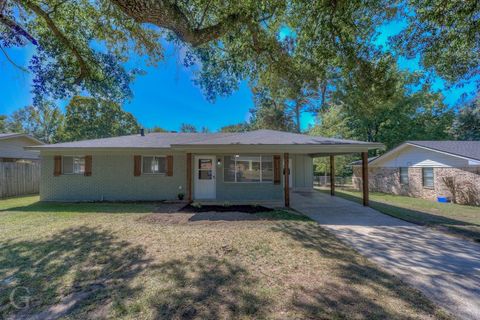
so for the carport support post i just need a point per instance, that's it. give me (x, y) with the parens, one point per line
(332, 175)
(189, 177)
(365, 177)
(286, 180)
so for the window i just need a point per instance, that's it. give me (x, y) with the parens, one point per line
(154, 165)
(73, 165)
(251, 168)
(403, 175)
(205, 167)
(427, 174)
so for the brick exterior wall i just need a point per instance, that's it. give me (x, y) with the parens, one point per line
(462, 185)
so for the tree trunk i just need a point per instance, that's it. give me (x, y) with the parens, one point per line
(297, 116)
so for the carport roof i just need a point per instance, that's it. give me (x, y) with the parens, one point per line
(169, 140)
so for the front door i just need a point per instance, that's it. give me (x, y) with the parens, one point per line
(205, 177)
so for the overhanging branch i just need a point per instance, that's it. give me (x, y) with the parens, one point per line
(84, 70)
(169, 16)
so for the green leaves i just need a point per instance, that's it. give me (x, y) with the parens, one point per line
(89, 118)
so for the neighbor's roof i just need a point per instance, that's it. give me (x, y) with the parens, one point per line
(174, 139)
(462, 149)
(468, 149)
(11, 135)
(359, 162)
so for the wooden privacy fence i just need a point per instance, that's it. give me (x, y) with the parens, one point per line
(18, 179)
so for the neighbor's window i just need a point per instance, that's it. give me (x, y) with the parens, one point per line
(427, 174)
(251, 168)
(403, 175)
(73, 165)
(154, 165)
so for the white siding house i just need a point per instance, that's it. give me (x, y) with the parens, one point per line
(12, 147)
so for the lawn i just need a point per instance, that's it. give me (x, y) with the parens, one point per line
(124, 261)
(453, 218)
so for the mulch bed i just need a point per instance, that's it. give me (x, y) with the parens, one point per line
(218, 208)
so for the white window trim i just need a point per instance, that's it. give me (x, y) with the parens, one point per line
(155, 173)
(72, 173)
(254, 182)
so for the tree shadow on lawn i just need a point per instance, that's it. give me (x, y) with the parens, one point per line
(363, 286)
(463, 228)
(75, 270)
(457, 227)
(207, 287)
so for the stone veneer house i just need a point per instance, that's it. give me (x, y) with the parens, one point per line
(246, 166)
(427, 169)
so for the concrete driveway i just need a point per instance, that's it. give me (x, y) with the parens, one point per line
(443, 267)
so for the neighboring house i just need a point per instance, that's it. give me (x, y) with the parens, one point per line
(215, 166)
(427, 169)
(12, 147)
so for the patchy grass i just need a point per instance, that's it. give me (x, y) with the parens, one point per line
(109, 261)
(453, 218)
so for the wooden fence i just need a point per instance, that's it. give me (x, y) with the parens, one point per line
(18, 179)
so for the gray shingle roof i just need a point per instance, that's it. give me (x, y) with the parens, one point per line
(168, 139)
(14, 135)
(468, 149)
(8, 135)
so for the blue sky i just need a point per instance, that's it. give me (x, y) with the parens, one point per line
(167, 97)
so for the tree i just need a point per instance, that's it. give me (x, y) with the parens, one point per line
(90, 118)
(376, 102)
(269, 113)
(466, 125)
(157, 129)
(444, 35)
(186, 127)
(239, 127)
(82, 45)
(3, 123)
(44, 122)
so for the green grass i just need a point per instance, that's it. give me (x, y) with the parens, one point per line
(122, 261)
(453, 218)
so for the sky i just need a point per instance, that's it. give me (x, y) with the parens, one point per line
(167, 97)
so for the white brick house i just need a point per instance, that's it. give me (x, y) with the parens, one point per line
(427, 169)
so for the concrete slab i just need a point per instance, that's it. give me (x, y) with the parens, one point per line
(443, 267)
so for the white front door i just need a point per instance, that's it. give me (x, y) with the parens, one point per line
(205, 177)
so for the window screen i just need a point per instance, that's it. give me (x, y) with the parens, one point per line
(403, 175)
(427, 174)
(73, 165)
(248, 168)
(154, 165)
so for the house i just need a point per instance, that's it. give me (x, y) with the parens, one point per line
(12, 147)
(246, 166)
(427, 169)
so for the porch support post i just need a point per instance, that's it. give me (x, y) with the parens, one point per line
(365, 177)
(332, 175)
(189, 177)
(286, 180)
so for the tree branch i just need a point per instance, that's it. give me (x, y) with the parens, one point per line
(17, 29)
(168, 15)
(84, 70)
(11, 61)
